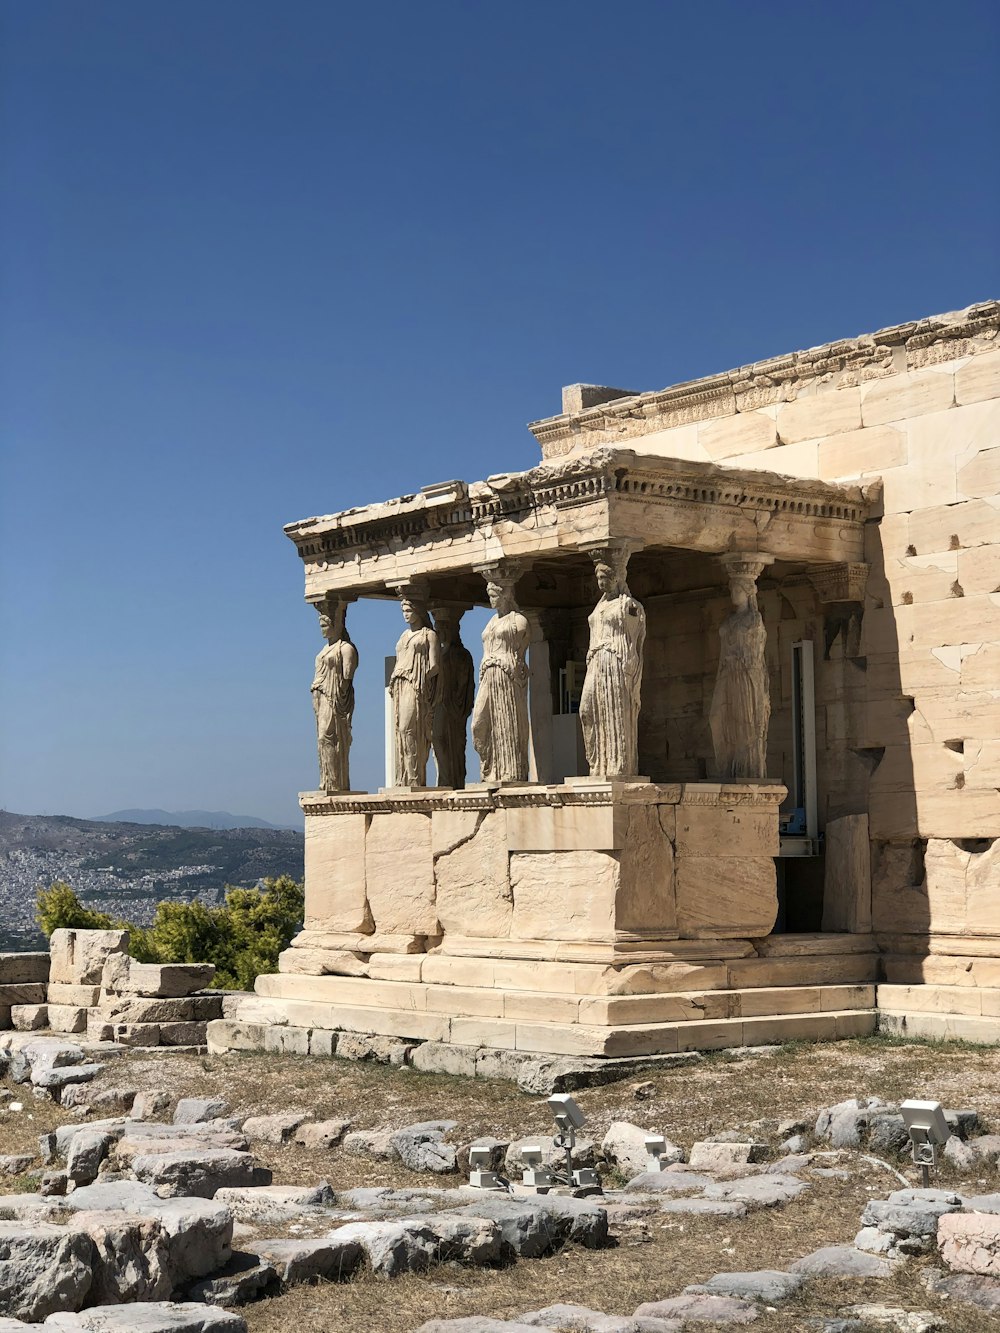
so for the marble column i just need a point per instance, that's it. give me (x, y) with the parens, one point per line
(413, 686)
(333, 695)
(500, 716)
(609, 703)
(741, 702)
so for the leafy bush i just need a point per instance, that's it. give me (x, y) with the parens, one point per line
(242, 938)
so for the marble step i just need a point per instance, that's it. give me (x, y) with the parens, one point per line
(970, 1001)
(941, 1026)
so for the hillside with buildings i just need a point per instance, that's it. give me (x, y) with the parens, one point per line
(125, 868)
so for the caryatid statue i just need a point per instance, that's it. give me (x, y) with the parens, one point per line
(741, 703)
(333, 696)
(457, 676)
(609, 701)
(500, 718)
(413, 686)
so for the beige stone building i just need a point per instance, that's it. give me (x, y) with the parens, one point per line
(846, 501)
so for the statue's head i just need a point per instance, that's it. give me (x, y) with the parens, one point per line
(743, 590)
(414, 613)
(501, 594)
(333, 619)
(611, 570)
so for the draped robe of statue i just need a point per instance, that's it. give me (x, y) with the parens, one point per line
(609, 701)
(457, 676)
(500, 719)
(741, 703)
(413, 687)
(333, 704)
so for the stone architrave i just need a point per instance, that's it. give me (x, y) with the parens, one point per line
(609, 702)
(333, 696)
(500, 719)
(741, 703)
(413, 686)
(456, 693)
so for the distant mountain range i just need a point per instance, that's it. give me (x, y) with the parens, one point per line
(186, 819)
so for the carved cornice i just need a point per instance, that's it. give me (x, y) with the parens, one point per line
(775, 380)
(607, 474)
(839, 583)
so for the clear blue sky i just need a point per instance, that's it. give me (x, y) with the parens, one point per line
(264, 260)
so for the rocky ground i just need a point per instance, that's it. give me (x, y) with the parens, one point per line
(769, 1158)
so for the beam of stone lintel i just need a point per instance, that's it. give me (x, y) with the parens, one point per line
(578, 397)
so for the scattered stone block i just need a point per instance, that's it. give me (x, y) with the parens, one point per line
(893, 1317)
(84, 997)
(273, 1128)
(728, 1310)
(422, 1147)
(197, 1110)
(151, 1317)
(87, 1151)
(968, 1287)
(538, 1224)
(43, 1269)
(298, 1261)
(131, 1257)
(197, 1174)
(29, 1017)
(154, 1101)
(53, 1184)
(480, 1324)
(765, 1191)
(244, 1279)
(766, 1284)
(375, 1143)
(712, 1156)
(441, 1057)
(15, 1164)
(580, 1319)
(200, 1231)
(669, 1182)
(166, 981)
(841, 1261)
(321, 1133)
(705, 1207)
(970, 1242)
(137, 1034)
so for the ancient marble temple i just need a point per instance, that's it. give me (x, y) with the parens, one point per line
(735, 719)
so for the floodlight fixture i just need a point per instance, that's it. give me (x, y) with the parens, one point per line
(656, 1145)
(535, 1176)
(482, 1176)
(928, 1130)
(566, 1112)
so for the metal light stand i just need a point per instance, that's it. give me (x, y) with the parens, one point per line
(924, 1154)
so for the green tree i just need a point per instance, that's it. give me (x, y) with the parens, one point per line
(242, 938)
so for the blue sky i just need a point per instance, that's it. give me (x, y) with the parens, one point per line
(262, 261)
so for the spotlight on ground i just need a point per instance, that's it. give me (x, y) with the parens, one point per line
(928, 1131)
(569, 1118)
(481, 1175)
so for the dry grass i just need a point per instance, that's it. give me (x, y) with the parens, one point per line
(654, 1259)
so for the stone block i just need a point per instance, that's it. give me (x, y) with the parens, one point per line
(847, 879)
(978, 570)
(746, 432)
(336, 896)
(705, 830)
(951, 527)
(828, 412)
(67, 1018)
(287, 1040)
(78, 956)
(43, 1269)
(566, 828)
(22, 992)
(28, 1017)
(723, 896)
(978, 379)
(472, 880)
(322, 1042)
(647, 902)
(789, 460)
(84, 997)
(911, 394)
(156, 980)
(564, 895)
(869, 452)
(182, 1034)
(137, 1034)
(400, 874)
(438, 1057)
(979, 477)
(20, 967)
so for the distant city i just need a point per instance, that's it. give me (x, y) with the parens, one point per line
(124, 867)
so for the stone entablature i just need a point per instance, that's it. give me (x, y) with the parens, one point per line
(849, 361)
(572, 505)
